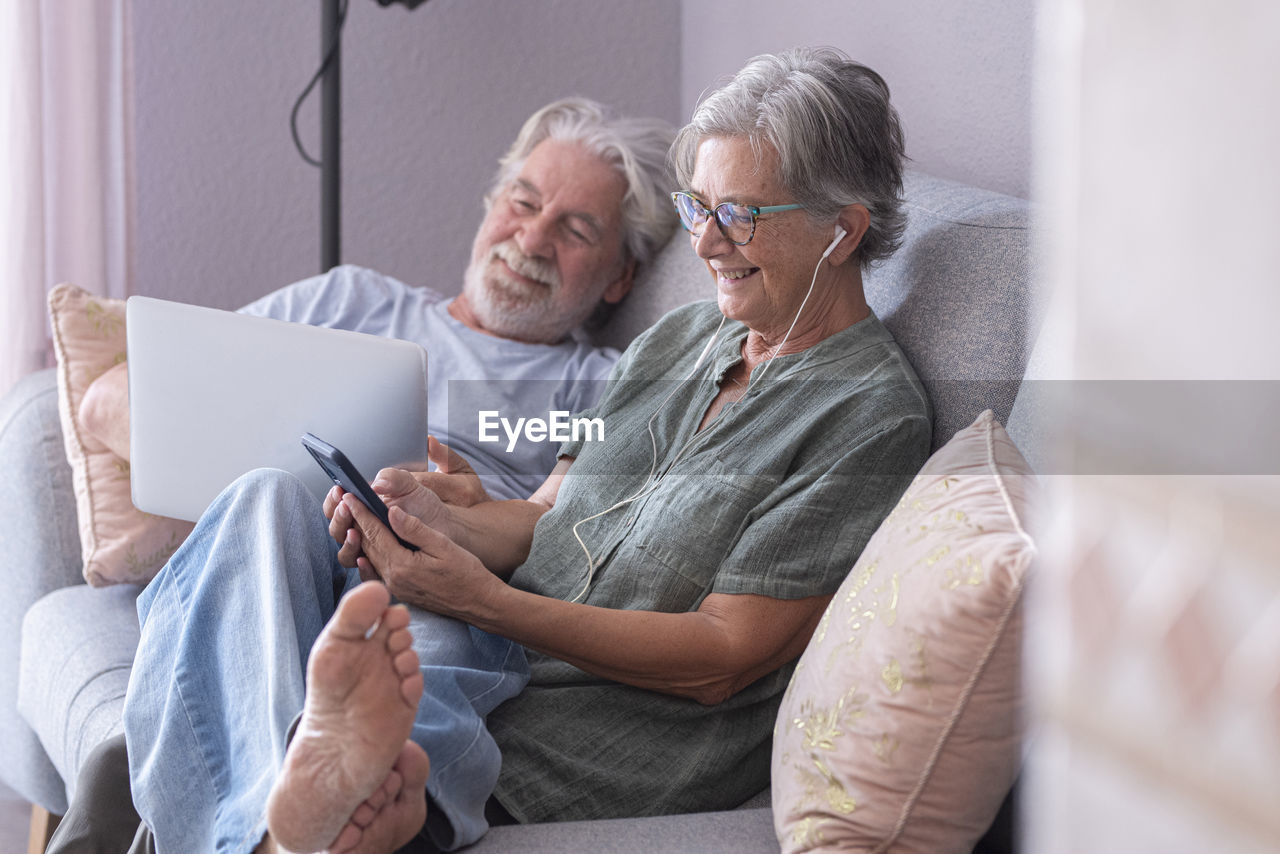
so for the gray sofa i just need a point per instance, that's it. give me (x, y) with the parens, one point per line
(958, 296)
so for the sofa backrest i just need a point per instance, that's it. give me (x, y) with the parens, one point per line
(677, 276)
(957, 296)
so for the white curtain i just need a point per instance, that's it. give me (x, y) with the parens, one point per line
(65, 163)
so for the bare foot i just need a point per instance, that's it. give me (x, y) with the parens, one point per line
(363, 687)
(394, 813)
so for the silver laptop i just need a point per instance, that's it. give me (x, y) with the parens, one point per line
(214, 394)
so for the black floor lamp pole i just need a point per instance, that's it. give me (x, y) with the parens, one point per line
(330, 141)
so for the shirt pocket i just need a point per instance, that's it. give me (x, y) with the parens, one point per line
(689, 526)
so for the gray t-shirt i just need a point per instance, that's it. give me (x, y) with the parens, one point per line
(776, 497)
(468, 372)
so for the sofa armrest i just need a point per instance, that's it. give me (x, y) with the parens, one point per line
(42, 553)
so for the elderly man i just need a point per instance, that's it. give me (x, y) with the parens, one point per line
(565, 227)
(578, 204)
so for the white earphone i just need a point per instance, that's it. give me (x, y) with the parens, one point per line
(840, 234)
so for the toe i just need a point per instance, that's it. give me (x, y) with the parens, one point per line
(411, 689)
(398, 641)
(347, 840)
(396, 617)
(405, 663)
(393, 784)
(363, 816)
(413, 765)
(360, 610)
(378, 799)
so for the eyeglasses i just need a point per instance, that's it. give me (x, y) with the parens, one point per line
(736, 222)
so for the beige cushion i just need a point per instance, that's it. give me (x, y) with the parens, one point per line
(901, 725)
(118, 542)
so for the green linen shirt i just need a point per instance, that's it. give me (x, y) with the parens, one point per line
(776, 497)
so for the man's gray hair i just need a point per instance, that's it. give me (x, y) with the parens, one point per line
(636, 147)
(838, 138)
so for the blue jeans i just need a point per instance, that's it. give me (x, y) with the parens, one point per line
(220, 675)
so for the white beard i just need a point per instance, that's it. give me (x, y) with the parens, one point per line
(515, 309)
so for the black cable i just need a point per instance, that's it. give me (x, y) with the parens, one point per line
(324, 66)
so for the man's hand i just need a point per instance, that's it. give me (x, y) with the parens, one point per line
(454, 480)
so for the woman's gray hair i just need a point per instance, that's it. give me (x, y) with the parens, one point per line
(839, 140)
(636, 147)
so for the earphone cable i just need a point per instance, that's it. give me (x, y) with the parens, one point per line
(651, 483)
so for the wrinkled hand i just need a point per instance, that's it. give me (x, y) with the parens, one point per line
(342, 526)
(454, 480)
(425, 495)
(441, 576)
(396, 488)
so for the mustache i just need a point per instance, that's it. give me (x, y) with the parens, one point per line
(534, 268)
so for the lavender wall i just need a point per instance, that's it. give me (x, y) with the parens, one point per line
(960, 73)
(226, 210)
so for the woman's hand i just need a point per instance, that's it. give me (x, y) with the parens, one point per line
(342, 526)
(398, 489)
(441, 576)
(426, 495)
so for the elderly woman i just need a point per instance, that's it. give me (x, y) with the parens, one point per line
(750, 449)
(664, 578)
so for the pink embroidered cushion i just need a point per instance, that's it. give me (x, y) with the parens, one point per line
(901, 726)
(118, 542)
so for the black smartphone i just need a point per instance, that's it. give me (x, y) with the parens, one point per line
(343, 473)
